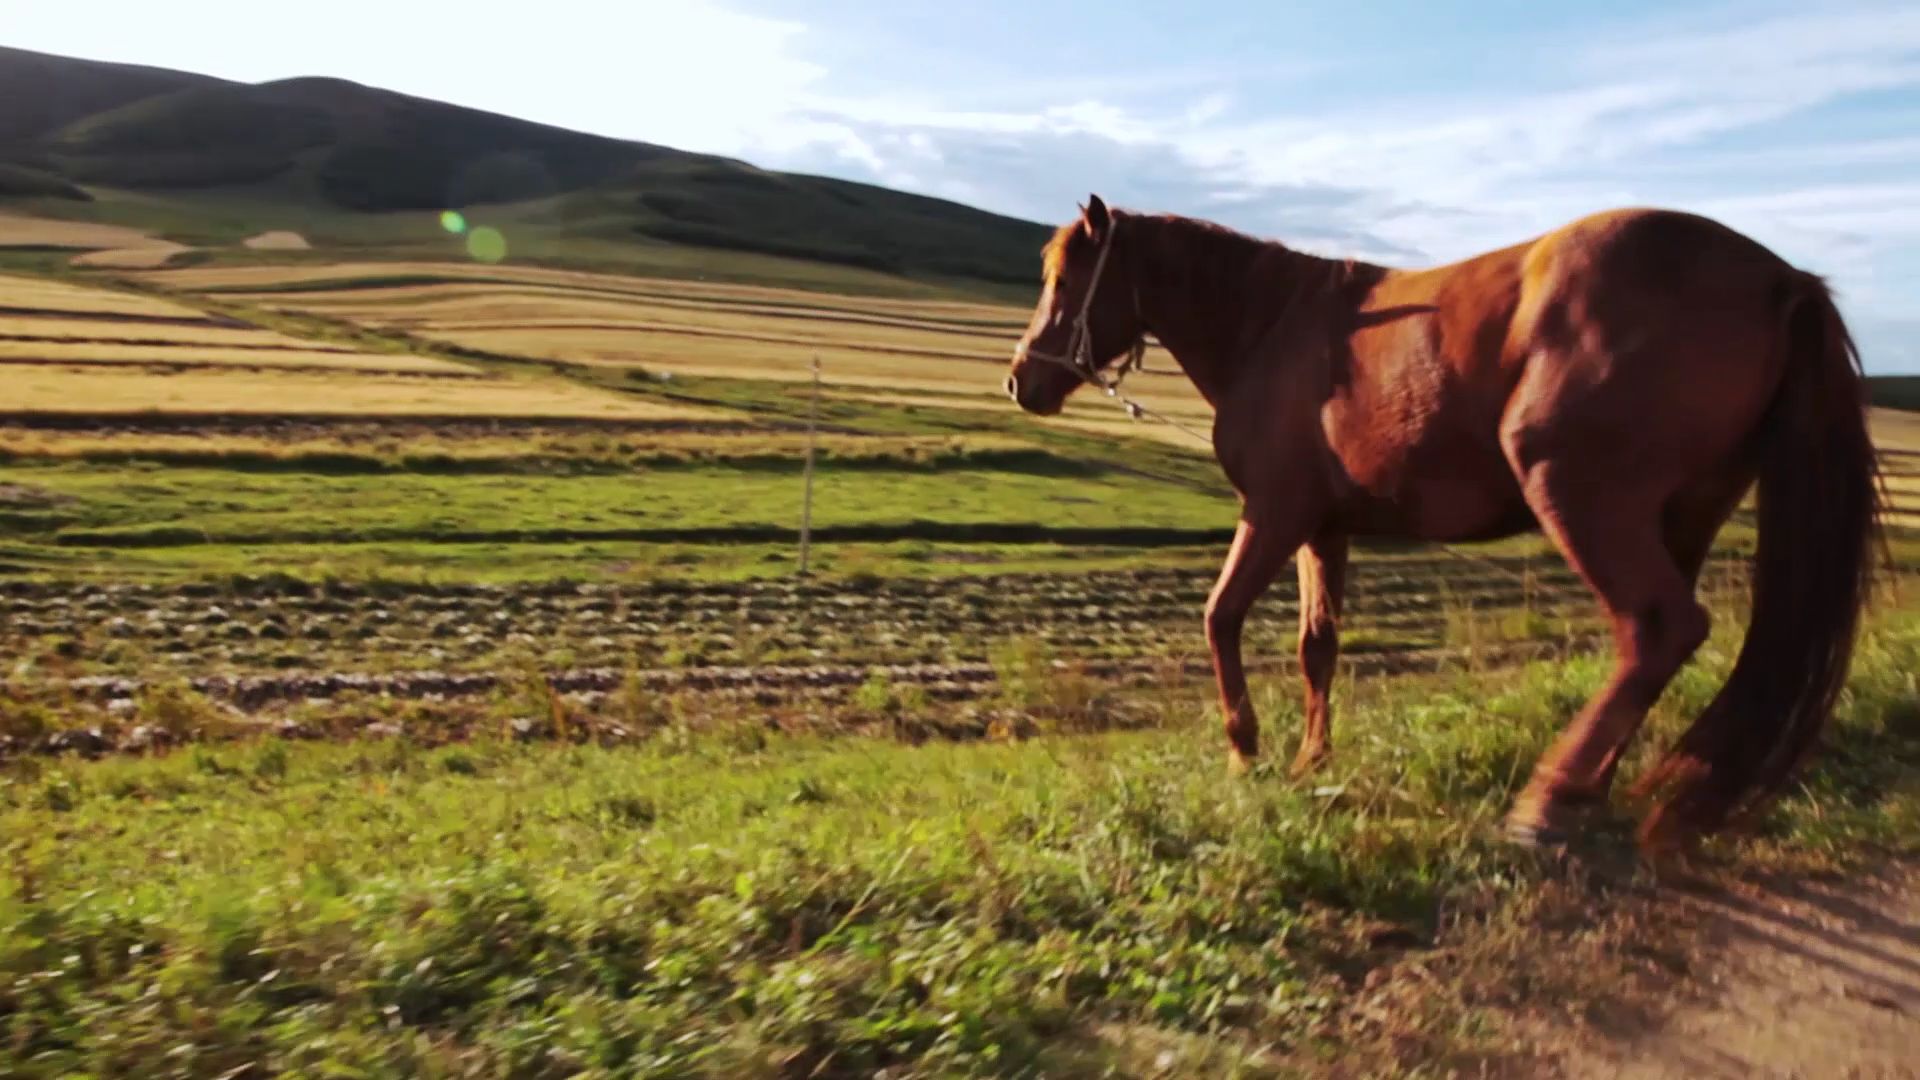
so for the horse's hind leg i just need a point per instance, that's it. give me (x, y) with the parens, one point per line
(1689, 525)
(1695, 516)
(1692, 520)
(1612, 533)
(1323, 575)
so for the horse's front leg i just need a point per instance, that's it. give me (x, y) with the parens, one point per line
(1261, 546)
(1323, 580)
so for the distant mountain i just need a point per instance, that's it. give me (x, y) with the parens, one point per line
(45, 93)
(360, 148)
(347, 146)
(1895, 391)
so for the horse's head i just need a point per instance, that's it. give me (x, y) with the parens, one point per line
(1087, 319)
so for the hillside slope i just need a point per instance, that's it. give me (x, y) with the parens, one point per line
(44, 93)
(339, 146)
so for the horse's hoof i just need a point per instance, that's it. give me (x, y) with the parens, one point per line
(1238, 764)
(1536, 835)
(1308, 763)
(1660, 839)
(1542, 820)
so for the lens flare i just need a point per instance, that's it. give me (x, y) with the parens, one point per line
(452, 221)
(486, 244)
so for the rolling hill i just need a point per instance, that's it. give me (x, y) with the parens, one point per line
(45, 93)
(331, 145)
(1895, 391)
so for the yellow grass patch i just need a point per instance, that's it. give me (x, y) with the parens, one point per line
(150, 256)
(700, 330)
(93, 352)
(632, 322)
(22, 230)
(27, 326)
(1894, 429)
(694, 355)
(229, 277)
(1904, 488)
(486, 308)
(460, 300)
(1897, 434)
(44, 294)
(717, 357)
(278, 240)
(52, 389)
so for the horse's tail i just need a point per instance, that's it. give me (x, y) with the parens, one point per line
(1819, 522)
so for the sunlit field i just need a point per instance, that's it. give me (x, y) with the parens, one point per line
(408, 675)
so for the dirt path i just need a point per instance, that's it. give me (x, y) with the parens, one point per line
(1804, 979)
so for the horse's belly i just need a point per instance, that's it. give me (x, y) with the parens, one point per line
(1475, 517)
(1452, 505)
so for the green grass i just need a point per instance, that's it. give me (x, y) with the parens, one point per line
(727, 902)
(545, 232)
(386, 452)
(500, 562)
(134, 505)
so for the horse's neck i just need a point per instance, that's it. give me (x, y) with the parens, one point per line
(1214, 298)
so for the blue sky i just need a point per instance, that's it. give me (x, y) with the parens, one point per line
(1410, 133)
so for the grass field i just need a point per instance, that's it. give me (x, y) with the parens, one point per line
(60, 341)
(930, 355)
(309, 279)
(52, 388)
(362, 719)
(44, 296)
(406, 672)
(95, 350)
(132, 331)
(35, 231)
(722, 899)
(96, 506)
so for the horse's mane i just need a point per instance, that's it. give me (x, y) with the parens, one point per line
(1053, 256)
(1209, 265)
(1210, 261)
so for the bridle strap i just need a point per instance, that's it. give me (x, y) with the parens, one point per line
(1079, 355)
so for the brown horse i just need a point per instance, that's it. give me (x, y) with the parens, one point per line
(1619, 383)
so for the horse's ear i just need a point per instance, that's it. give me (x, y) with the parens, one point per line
(1096, 216)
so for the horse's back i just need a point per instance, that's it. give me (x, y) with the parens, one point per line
(1648, 264)
(1656, 330)
(1647, 334)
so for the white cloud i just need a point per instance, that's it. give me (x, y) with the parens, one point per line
(1716, 43)
(1428, 178)
(1623, 116)
(1731, 166)
(1207, 109)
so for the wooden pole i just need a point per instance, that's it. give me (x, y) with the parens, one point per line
(806, 498)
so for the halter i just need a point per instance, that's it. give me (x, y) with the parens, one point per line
(1079, 355)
